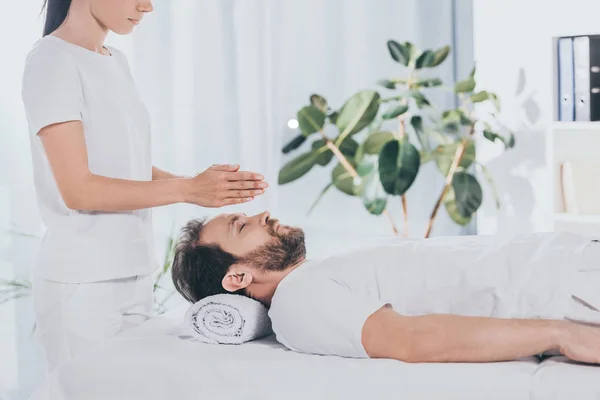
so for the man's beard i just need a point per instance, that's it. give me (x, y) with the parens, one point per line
(287, 250)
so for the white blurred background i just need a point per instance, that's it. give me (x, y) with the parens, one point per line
(222, 78)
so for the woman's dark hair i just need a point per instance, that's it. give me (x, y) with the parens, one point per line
(198, 269)
(56, 13)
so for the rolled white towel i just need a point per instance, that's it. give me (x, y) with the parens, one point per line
(227, 319)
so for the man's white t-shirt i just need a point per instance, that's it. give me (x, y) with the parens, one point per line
(321, 306)
(65, 82)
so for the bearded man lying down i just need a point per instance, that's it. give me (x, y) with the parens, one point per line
(450, 299)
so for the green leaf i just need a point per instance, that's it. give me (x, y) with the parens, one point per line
(323, 155)
(325, 190)
(373, 128)
(399, 164)
(511, 141)
(387, 84)
(343, 180)
(311, 120)
(429, 82)
(399, 52)
(492, 183)
(495, 100)
(465, 86)
(396, 111)
(484, 96)
(360, 153)
(412, 51)
(444, 156)
(417, 124)
(319, 102)
(367, 166)
(297, 168)
(375, 142)
(372, 193)
(480, 96)
(456, 116)
(294, 144)
(420, 98)
(468, 193)
(358, 113)
(333, 117)
(452, 209)
(425, 60)
(349, 147)
(472, 74)
(493, 136)
(440, 56)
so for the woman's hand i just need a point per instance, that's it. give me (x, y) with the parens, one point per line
(223, 185)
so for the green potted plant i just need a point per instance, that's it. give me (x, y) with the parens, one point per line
(381, 142)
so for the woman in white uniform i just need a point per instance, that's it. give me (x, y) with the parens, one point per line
(94, 178)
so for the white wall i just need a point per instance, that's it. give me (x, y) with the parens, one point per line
(513, 51)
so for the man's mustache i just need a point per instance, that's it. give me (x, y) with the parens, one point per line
(271, 226)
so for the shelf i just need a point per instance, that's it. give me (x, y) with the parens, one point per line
(576, 126)
(577, 218)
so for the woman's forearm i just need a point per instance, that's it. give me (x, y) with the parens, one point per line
(450, 338)
(160, 174)
(100, 193)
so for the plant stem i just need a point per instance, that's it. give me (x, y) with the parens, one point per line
(405, 212)
(402, 133)
(460, 153)
(338, 154)
(387, 213)
(342, 159)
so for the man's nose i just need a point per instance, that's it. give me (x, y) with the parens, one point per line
(264, 218)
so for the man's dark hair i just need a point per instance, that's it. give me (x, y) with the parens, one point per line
(198, 269)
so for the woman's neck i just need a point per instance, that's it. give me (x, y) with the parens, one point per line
(83, 29)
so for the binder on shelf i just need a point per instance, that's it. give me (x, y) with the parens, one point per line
(581, 49)
(566, 107)
(586, 57)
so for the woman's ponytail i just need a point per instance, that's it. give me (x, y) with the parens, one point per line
(56, 13)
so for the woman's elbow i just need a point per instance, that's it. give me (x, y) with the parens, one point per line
(74, 203)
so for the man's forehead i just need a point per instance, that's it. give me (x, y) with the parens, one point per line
(216, 226)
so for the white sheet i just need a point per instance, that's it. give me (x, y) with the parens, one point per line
(152, 362)
(560, 378)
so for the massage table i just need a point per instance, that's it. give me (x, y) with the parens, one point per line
(154, 361)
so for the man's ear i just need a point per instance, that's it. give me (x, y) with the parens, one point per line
(236, 278)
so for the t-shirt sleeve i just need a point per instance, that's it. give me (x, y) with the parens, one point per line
(327, 319)
(51, 90)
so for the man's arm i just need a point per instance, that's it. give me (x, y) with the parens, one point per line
(451, 338)
(160, 174)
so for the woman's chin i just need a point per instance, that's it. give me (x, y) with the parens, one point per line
(124, 30)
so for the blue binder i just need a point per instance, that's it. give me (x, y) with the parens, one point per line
(566, 80)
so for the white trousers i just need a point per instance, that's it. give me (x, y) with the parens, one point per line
(73, 317)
